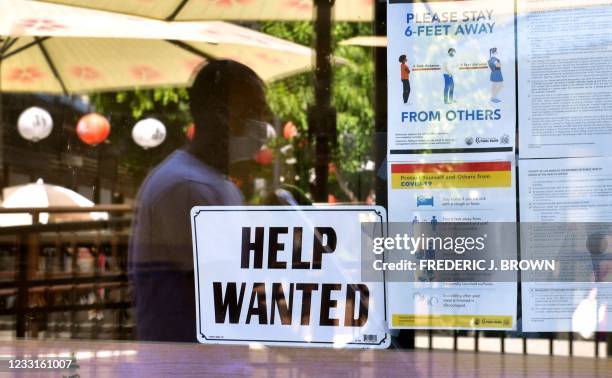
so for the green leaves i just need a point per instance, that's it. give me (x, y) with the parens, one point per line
(353, 91)
(289, 99)
(140, 101)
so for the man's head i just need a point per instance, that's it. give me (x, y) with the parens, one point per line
(403, 59)
(225, 98)
(451, 52)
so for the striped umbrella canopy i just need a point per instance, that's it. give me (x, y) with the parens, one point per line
(366, 41)
(243, 10)
(59, 49)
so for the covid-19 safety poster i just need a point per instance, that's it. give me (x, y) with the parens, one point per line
(451, 75)
(476, 188)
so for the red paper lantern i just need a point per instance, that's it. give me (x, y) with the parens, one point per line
(331, 198)
(264, 156)
(190, 131)
(290, 130)
(331, 168)
(93, 129)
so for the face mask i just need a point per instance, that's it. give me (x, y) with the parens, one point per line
(245, 147)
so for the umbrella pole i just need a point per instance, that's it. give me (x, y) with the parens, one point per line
(322, 116)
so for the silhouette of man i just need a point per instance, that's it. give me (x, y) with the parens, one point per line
(228, 106)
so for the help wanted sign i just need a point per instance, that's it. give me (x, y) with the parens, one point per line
(286, 276)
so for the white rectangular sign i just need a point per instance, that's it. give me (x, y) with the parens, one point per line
(286, 276)
(451, 75)
(564, 78)
(562, 192)
(566, 190)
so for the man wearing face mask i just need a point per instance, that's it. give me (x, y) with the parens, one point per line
(228, 106)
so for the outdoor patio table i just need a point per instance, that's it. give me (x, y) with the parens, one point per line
(114, 359)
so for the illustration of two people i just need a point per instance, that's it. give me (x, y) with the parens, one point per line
(449, 69)
(496, 78)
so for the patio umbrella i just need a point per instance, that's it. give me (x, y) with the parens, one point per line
(322, 122)
(181, 10)
(39, 194)
(366, 41)
(60, 49)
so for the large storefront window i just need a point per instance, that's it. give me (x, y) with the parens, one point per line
(361, 183)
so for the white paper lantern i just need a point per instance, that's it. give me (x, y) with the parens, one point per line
(270, 132)
(149, 133)
(35, 124)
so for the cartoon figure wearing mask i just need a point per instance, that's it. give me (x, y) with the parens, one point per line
(405, 76)
(497, 80)
(448, 69)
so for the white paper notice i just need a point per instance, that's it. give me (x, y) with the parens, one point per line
(564, 78)
(566, 190)
(446, 188)
(451, 75)
(570, 191)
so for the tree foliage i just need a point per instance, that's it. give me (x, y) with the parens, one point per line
(289, 99)
(352, 96)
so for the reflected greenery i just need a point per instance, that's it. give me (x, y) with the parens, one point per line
(289, 99)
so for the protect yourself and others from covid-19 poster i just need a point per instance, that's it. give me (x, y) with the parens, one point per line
(442, 189)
